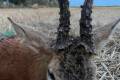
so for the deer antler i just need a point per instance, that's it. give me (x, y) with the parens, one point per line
(85, 24)
(63, 29)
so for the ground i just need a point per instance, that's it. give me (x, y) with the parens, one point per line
(46, 20)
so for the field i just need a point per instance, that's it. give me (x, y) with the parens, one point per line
(46, 20)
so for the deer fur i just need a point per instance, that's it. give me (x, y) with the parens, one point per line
(67, 68)
(24, 58)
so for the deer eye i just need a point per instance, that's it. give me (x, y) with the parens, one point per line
(50, 75)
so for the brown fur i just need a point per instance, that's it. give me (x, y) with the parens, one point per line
(18, 62)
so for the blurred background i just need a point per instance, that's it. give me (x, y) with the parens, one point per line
(53, 3)
(27, 3)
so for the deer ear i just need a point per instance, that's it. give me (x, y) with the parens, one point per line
(20, 32)
(103, 33)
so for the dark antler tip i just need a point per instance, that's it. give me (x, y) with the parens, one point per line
(81, 6)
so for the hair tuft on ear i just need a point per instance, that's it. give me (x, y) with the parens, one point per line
(20, 32)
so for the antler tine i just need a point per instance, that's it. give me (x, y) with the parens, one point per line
(63, 29)
(85, 24)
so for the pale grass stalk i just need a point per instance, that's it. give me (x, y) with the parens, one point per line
(108, 71)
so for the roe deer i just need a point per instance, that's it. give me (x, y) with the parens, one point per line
(44, 61)
(23, 58)
(27, 59)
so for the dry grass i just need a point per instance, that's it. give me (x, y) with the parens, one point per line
(46, 20)
(108, 59)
